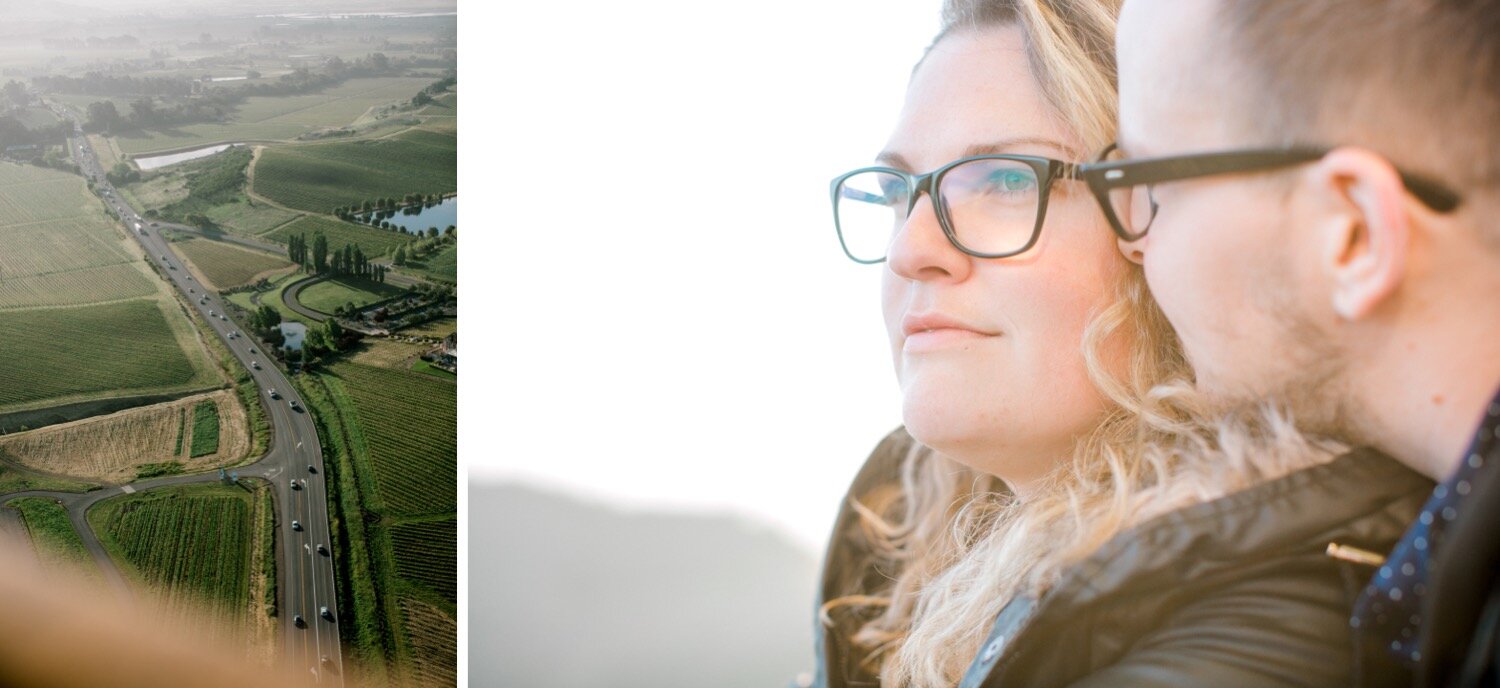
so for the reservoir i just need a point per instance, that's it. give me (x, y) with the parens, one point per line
(417, 219)
(156, 161)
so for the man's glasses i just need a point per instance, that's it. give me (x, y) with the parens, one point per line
(1124, 188)
(989, 206)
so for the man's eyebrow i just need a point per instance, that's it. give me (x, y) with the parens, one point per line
(1000, 147)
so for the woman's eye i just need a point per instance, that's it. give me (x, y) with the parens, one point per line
(1010, 180)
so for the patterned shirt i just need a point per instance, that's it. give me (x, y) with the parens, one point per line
(1390, 608)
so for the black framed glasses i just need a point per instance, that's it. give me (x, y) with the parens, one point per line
(1124, 188)
(989, 206)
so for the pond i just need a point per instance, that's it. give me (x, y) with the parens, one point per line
(293, 332)
(440, 215)
(156, 161)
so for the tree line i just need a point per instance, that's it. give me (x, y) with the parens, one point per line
(316, 258)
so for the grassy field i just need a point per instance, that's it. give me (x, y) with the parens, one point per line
(35, 117)
(389, 438)
(439, 328)
(279, 118)
(329, 294)
(409, 430)
(14, 479)
(226, 265)
(113, 448)
(272, 298)
(442, 266)
(249, 218)
(53, 535)
(60, 249)
(192, 541)
(374, 242)
(113, 348)
(318, 177)
(205, 430)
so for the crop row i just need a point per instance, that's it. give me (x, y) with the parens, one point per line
(198, 542)
(433, 639)
(205, 429)
(409, 422)
(427, 554)
(105, 348)
(78, 287)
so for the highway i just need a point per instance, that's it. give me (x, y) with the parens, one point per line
(293, 464)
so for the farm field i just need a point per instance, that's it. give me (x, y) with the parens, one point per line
(409, 428)
(262, 118)
(389, 438)
(192, 542)
(52, 534)
(374, 242)
(114, 447)
(205, 430)
(330, 294)
(226, 265)
(60, 249)
(249, 220)
(439, 328)
(442, 266)
(35, 117)
(319, 176)
(112, 349)
(389, 353)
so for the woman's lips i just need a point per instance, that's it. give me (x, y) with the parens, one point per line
(939, 339)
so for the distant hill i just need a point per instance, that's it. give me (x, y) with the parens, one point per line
(566, 593)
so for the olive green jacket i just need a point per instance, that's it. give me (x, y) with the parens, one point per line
(1239, 591)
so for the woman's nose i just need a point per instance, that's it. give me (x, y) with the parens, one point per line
(920, 250)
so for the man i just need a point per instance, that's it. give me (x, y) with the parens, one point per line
(1325, 232)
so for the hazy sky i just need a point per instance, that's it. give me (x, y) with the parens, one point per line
(667, 320)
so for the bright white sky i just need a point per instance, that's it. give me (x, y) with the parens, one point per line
(656, 310)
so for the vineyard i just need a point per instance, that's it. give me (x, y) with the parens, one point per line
(56, 542)
(114, 348)
(59, 248)
(226, 265)
(318, 177)
(433, 638)
(205, 429)
(117, 446)
(332, 293)
(279, 118)
(194, 541)
(427, 554)
(410, 431)
(374, 242)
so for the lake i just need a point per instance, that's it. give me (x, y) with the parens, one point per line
(293, 332)
(441, 215)
(156, 161)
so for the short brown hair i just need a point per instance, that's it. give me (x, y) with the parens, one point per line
(1415, 80)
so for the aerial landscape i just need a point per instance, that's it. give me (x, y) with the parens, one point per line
(228, 304)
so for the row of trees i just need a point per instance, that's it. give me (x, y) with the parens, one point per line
(425, 95)
(317, 259)
(388, 204)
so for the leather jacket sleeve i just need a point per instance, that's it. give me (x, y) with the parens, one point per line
(1276, 626)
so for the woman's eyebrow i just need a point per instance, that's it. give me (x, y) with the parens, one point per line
(1000, 147)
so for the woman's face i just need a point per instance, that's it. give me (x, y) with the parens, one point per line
(1004, 390)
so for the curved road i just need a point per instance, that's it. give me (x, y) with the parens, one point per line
(294, 464)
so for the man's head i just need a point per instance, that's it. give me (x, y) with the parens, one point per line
(1299, 281)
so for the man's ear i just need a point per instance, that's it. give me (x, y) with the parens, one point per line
(1366, 228)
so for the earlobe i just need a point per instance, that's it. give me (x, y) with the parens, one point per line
(1132, 251)
(1368, 229)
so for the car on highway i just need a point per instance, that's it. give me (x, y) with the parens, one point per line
(255, 365)
(311, 468)
(296, 525)
(272, 392)
(297, 619)
(210, 313)
(171, 266)
(322, 550)
(296, 485)
(163, 256)
(293, 403)
(323, 612)
(191, 290)
(252, 349)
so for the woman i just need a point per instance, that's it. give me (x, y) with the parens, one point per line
(1059, 508)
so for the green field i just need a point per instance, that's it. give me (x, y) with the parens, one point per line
(332, 293)
(427, 555)
(389, 440)
(318, 177)
(272, 298)
(205, 429)
(247, 219)
(59, 247)
(374, 242)
(181, 423)
(227, 265)
(13, 479)
(409, 430)
(35, 117)
(52, 533)
(194, 539)
(442, 266)
(112, 348)
(283, 118)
